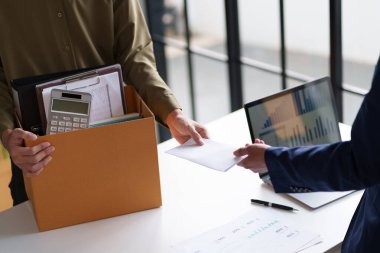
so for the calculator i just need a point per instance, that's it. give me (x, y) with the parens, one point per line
(69, 111)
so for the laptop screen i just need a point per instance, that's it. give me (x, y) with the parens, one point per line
(303, 115)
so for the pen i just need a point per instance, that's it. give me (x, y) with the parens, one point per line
(265, 203)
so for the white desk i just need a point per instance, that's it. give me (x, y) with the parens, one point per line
(195, 200)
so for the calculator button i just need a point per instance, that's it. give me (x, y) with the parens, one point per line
(66, 118)
(54, 117)
(61, 129)
(68, 129)
(54, 122)
(75, 124)
(69, 124)
(83, 126)
(53, 128)
(61, 123)
(76, 119)
(83, 120)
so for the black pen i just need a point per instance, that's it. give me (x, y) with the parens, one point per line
(265, 203)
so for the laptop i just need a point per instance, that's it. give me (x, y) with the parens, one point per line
(299, 116)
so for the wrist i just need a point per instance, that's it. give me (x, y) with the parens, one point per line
(172, 116)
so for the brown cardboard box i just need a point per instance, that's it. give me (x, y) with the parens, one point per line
(98, 172)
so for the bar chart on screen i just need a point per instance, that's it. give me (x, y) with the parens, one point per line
(301, 116)
(311, 129)
(304, 119)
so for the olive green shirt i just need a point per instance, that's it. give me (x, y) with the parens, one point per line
(45, 36)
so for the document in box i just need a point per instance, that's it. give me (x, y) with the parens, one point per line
(214, 155)
(253, 232)
(106, 95)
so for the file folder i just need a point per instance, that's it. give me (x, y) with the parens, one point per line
(105, 84)
(25, 98)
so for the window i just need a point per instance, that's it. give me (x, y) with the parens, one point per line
(221, 54)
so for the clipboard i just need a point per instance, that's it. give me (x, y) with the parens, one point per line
(25, 98)
(105, 85)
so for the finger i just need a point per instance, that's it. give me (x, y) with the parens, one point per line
(40, 156)
(240, 152)
(243, 163)
(37, 168)
(18, 136)
(26, 155)
(196, 136)
(182, 139)
(202, 131)
(31, 151)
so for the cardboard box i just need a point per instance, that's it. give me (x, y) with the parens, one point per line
(98, 172)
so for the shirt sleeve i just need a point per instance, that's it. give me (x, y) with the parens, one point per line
(6, 103)
(317, 168)
(134, 51)
(340, 166)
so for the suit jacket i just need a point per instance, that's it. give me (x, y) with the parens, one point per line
(349, 165)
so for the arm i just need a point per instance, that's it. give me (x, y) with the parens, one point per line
(134, 51)
(6, 104)
(319, 168)
(30, 160)
(340, 166)
(315, 167)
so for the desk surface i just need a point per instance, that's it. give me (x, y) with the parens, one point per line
(195, 200)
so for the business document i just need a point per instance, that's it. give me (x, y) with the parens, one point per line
(255, 231)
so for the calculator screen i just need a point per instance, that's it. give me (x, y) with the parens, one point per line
(60, 105)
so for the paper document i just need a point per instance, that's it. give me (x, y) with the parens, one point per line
(106, 95)
(256, 231)
(214, 155)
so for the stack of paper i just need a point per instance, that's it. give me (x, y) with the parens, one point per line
(253, 232)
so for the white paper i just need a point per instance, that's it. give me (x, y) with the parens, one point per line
(256, 231)
(214, 155)
(106, 96)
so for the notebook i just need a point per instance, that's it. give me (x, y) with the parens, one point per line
(300, 116)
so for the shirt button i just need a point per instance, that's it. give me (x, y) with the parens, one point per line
(59, 14)
(67, 48)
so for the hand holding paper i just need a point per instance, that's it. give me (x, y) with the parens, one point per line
(214, 155)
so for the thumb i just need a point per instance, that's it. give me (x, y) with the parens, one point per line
(18, 136)
(240, 152)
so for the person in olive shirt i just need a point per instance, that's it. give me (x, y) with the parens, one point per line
(40, 37)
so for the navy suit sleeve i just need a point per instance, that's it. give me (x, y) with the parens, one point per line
(340, 166)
